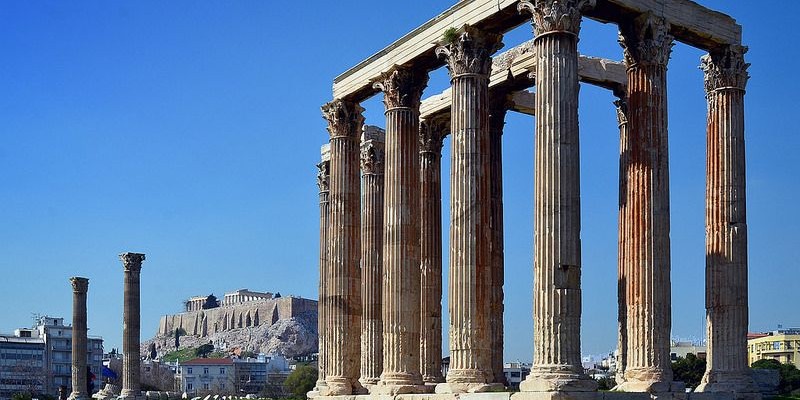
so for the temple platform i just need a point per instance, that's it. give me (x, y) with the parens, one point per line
(549, 396)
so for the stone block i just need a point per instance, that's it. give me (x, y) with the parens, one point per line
(557, 396)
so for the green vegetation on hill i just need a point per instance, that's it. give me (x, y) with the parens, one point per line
(181, 355)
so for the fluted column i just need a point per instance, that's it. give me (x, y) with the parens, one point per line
(726, 224)
(497, 114)
(343, 293)
(402, 89)
(431, 135)
(80, 287)
(557, 223)
(622, 238)
(468, 57)
(647, 45)
(372, 186)
(323, 175)
(132, 266)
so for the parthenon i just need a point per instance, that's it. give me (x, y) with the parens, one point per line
(380, 204)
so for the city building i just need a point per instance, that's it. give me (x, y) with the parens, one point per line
(206, 376)
(515, 373)
(782, 345)
(253, 375)
(21, 363)
(58, 353)
(39, 359)
(681, 349)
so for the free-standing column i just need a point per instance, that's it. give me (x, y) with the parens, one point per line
(557, 219)
(402, 88)
(468, 56)
(132, 265)
(623, 234)
(324, 211)
(431, 135)
(726, 224)
(372, 160)
(497, 114)
(646, 46)
(343, 294)
(79, 340)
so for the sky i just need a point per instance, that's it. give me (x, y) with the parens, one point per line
(190, 131)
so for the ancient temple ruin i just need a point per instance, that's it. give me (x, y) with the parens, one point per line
(380, 203)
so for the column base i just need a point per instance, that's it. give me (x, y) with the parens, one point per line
(395, 389)
(738, 382)
(78, 396)
(654, 387)
(127, 394)
(338, 386)
(468, 387)
(558, 381)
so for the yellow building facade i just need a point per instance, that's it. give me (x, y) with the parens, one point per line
(782, 345)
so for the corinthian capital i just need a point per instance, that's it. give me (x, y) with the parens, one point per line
(344, 118)
(79, 285)
(469, 51)
(323, 175)
(555, 15)
(431, 134)
(402, 87)
(646, 41)
(725, 69)
(132, 261)
(372, 158)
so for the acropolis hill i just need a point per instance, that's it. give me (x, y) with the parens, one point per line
(256, 321)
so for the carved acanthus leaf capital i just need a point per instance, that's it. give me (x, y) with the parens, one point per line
(372, 158)
(79, 285)
(646, 41)
(344, 118)
(132, 261)
(431, 134)
(402, 87)
(323, 175)
(470, 51)
(555, 15)
(725, 68)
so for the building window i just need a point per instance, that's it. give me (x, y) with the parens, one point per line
(222, 386)
(776, 345)
(205, 370)
(206, 386)
(222, 371)
(189, 386)
(189, 370)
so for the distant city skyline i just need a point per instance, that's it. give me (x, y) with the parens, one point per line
(190, 131)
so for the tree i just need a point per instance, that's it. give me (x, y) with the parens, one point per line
(689, 370)
(301, 381)
(204, 350)
(790, 375)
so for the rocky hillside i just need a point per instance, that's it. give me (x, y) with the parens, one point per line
(290, 337)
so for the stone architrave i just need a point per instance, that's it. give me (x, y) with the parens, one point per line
(468, 57)
(647, 45)
(557, 219)
(372, 186)
(132, 267)
(623, 232)
(431, 136)
(402, 89)
(343, 293)
(726, 225)
(323, 175)
(498, 106)
(80, 287)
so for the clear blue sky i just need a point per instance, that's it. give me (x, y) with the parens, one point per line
(189, 131)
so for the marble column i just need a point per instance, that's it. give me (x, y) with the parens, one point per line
(647, 45)
(372, 186)
(497, 114)
(343, 294)
(323, 175)
(623, 235)
(726, 224)
(468, 57)
(402, 89)
(557, 218)
(431, 136)
(80, 286)
(132, 266)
